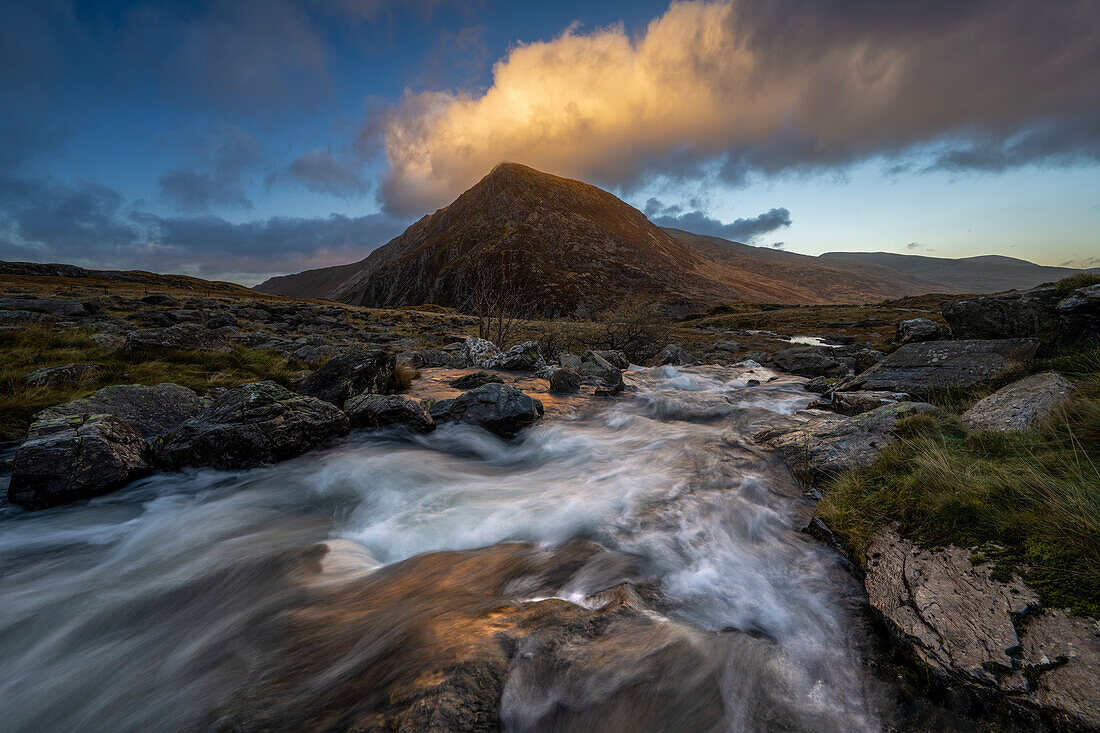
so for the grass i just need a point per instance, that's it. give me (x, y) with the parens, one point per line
(1030, 501)
(28, 349)
(1067, 285)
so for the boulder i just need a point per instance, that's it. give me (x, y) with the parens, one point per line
(73, 457)
(10, 319)
(1079, 315)
(476, 352)
(673, 354)
(828, 444)
(180, 337)
(498, 408)
(1021, 404)
(924, 369)
(809, 361)
(565, 381)
(435, 358)
(950, 615)
(916, 330)
(151, 409)
(350, 373)
(383, 411)
(614, 357)
(818, 385)
(57, 307)
(1008, 315)
(475, 379)
(856, 403)
(524, 357)
(69, 375)
(250, 425)
(864, 359)
(161, 299)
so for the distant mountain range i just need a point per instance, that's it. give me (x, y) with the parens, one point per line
(577, 249)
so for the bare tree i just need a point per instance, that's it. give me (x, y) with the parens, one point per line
(496, 291)
(638, 331)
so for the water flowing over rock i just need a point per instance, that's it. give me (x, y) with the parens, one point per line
(151, 409)
(924, 369)
(498, 408)
(827, 445)
(1021, 404)
(381, 411)
(916, 330)
(352, 372)
(251, 425)
(180, 337)
(948, 613)
(69, 458)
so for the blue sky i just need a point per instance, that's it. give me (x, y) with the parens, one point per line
(243, 139)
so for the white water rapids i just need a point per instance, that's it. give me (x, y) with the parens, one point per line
(126, 613)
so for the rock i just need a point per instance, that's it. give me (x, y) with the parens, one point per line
(856, 403)
(21, 319)
(1009, 315)
(924, 369)
(151, 409)
(253, 314)
(1086, 298)
(809, 361)
(181, 337)
(949, 615)
(571, 361)
(69, 458)
(435, 358)
(477, 352)
(411, 359)
(673, 354)
(251, 425)
(1079, 315)
(383, 411)
(826, 445)
(220, 319)
(614, 357)
(69, 375)
(524, 357)
(58, 307)
(350, 373)
(947, 612)
(818, 385)
(730, 347)
(476, 379)
(916, 330)
(498, 408)
(565, 381)
(864, 359)
(161, 299)
(1021, 404)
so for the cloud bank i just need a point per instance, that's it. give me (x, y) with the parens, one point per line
(696, 222)
(737, 87)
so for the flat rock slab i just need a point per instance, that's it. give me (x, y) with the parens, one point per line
(1021, 404)
(151, 409)
(182, 337)
(828, 444)
(923, 369)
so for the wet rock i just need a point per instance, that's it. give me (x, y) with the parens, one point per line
(809, 361)
(818, 385)
(69, 375)
(498, 408)
(180, 337)
(614, 357)
(1009, 315)
(250, 425)
(383, 411)
(916, 330)
(673, 354)
(151, 409)
(69, 458)
(595, 366)
(924, 369)
(856, 403)
(1021, 404)
(1061, 655)
(524, 357)
(476, 379)
(350, 373)
(57, 307)
(476, 352)
(826, 445)
(565, 381)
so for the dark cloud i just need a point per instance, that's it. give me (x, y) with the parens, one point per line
(322, 172)
(696, 222)
(226, 156)
(92, 225)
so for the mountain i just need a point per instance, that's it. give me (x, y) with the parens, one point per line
(566, 247)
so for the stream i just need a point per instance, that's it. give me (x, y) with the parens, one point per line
(136, 611)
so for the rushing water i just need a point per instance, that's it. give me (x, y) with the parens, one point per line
(128, 612)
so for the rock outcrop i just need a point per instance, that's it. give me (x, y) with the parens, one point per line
(1045, 313)
(916, 330)
(68, 375)
(151, 409)
(64, 308)
(180, 337)
(923, 369)
(352, 372)
(383, 411)
(809, 361)
(250, 425)
(952, 617)
(498, 408)
(1021, 404)
(828, 444)
(72, 457)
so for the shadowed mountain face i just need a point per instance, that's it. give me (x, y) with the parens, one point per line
(572, 248)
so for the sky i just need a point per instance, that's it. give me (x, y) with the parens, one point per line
(239, 139)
